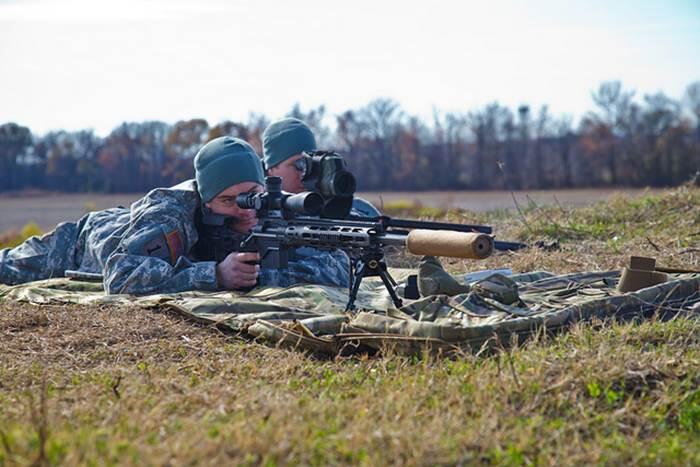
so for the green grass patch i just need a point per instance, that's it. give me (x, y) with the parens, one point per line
(621, 218)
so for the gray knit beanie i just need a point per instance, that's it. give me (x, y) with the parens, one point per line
(286, 138)
(223, 162)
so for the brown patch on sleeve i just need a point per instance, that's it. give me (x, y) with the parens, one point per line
(175, 245)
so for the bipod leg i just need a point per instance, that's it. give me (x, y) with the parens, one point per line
(358, 274)
(391, 279)
(390, 284)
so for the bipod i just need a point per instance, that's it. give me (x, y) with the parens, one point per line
(370, 264)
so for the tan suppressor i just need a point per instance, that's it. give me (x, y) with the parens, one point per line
(449, 243)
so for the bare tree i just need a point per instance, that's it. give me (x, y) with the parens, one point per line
(181, 145)
(565, 138)
(229, 128)
(256, 126)
(613, 104)
(14, 139)
(486, 126)
(371, 136)
(315, 119)
(541, 128)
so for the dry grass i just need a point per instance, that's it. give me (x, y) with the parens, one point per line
(599, 237)
(115, 385)
(12, 238)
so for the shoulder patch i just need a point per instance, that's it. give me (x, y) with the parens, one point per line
(156, 243)
(175, 245)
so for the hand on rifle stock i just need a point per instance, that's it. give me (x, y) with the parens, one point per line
(238, 271)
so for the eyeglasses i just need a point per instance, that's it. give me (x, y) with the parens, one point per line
(302, 165)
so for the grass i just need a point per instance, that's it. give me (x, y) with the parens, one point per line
(116, 385)
(12, 238)
(108, 386)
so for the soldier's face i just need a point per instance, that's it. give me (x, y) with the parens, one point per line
(291, 176)
(225, 204)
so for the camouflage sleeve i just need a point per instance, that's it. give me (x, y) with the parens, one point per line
(40, 257)
(151, 256)
(324, 268)
(138, 275)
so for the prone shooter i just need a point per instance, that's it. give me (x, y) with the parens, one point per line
(322, 218)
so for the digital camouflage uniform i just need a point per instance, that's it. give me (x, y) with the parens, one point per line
(147, 249)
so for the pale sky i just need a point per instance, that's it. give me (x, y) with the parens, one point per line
(78, 64)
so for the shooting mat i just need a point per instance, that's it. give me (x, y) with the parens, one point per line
(494, 311)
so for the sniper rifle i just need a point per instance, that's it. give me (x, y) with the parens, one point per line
(289, 221)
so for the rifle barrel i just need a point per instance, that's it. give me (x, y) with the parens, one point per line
(508, 246)
(411, 224)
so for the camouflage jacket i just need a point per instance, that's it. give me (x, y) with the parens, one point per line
(147, 249)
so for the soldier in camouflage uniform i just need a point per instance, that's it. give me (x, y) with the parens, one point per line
(283, 143)
(149, 248)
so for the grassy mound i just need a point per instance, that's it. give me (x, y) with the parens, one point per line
(599, 237)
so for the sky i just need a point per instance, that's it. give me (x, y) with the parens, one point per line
(92, 64)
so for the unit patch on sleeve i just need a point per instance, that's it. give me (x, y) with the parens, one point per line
(175, 245)
(158, 244)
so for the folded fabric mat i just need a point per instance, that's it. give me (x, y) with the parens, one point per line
(487, 311)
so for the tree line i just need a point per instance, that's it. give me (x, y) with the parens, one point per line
(622, 141)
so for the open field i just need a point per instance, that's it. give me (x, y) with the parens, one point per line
(47, 210)
(117, 385)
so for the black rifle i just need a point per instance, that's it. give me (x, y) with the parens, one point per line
(322, 218)
(285, 223)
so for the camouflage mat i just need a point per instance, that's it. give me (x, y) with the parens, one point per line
(489, 311)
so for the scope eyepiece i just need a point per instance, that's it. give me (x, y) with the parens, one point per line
(287, 205)
(249, 201)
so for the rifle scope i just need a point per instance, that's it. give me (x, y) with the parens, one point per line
(273, 199)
